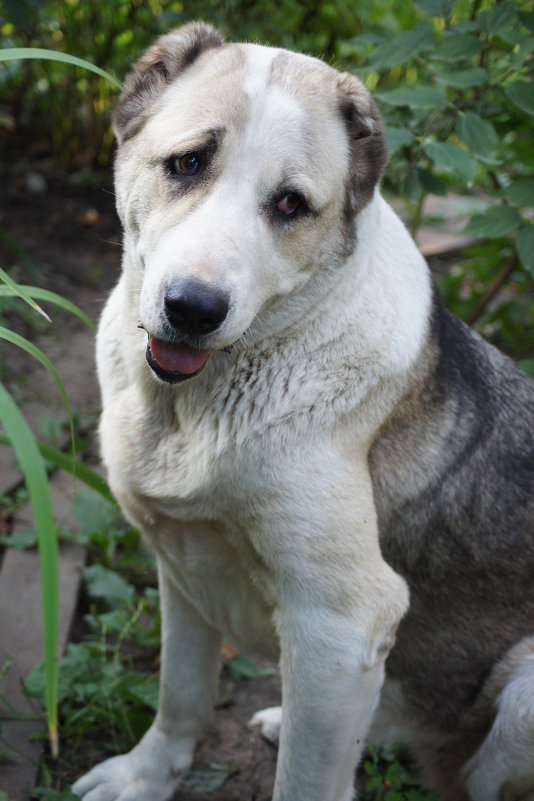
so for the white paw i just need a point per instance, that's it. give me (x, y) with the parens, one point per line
(268, 721)
(152, 770)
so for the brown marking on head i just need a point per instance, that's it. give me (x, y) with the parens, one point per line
(170, 56)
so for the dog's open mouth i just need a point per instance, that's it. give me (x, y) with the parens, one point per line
(175, 361)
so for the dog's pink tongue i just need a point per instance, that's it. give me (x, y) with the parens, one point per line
(178, 357)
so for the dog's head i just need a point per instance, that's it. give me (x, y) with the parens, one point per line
(240, 172)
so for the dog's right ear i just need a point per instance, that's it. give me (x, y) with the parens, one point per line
(164, 61)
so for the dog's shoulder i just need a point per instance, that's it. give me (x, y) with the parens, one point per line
(453, 467)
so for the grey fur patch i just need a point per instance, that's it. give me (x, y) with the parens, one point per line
(170, 56)
(453, 476)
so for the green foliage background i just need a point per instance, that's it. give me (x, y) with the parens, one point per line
(453, 80)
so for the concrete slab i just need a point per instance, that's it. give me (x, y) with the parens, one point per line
(21, 638)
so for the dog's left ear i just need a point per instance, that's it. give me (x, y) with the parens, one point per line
(365, 130)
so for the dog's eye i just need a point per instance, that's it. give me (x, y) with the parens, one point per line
(289, 203)
(189, 164)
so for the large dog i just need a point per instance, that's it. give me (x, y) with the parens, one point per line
(331, 469)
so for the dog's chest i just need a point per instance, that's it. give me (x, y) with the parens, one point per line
(220, 444)
(205, 462)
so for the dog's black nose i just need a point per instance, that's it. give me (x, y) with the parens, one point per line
(195, 308)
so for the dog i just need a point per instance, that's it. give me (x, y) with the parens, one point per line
(331, 469)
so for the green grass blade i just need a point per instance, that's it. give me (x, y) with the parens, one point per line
(50, 297)
(16, 53)
(63, 461)
(33, 350)
(20, 292)
(33, 467)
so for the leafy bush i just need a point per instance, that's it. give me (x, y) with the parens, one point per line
(452, 79)
(456, 96)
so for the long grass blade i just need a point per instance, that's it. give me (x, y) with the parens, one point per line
(20, 292)
(33, 350)
(50, 297)
(16, 53)
(33, 467)
(63, 461)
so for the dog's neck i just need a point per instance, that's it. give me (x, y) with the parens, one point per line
(372, 328)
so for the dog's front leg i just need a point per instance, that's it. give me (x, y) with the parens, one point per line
(331, 683)
(189, 669)
(338, 608)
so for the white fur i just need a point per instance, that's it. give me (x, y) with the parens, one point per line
(251, 481)
(503, 767)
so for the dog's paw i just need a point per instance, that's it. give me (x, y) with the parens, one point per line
(152, 770)
(268, 721)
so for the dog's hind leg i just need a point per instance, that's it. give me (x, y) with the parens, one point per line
(268, 721)
(189, 670)
(503, 767)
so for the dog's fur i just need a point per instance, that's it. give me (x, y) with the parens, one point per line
(347, 443)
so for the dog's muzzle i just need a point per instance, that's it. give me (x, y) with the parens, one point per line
(193, 310)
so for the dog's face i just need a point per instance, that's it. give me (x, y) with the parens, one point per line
(239, 173)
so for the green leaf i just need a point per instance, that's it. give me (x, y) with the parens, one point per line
(478, 134)
(520, 192)
(521, 94)
(463, 79)
(452, 157)
(17, 53)
(501, 15)
(525, 247)
(21, 541)
(34, 471)
(456, 46)
(401, 48)
(94, 513)
(414, 96)
(51, 297)
(104, 583)
(74, 669)
(396, 138)
(495, 222)
(436, 8)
